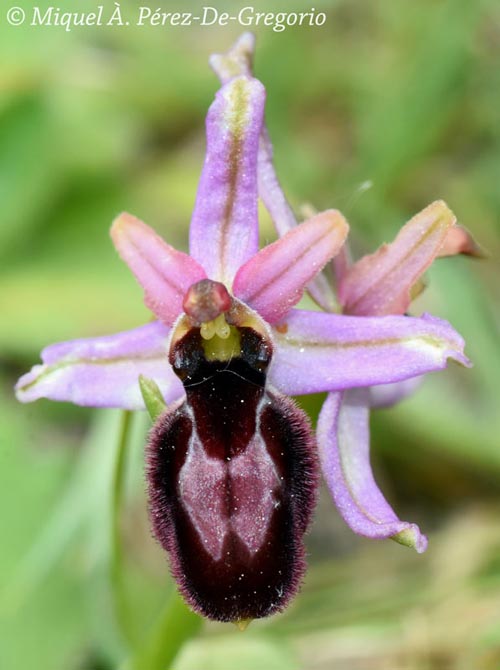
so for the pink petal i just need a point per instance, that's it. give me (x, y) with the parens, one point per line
(224, 228)
(164, 273)
(323, 288)
(342, 262)
(344, 446)
(458, 240)
(103, 371)
(380, 284)
(273, 280)
(317, 352)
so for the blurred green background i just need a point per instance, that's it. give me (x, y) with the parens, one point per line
(402, 95)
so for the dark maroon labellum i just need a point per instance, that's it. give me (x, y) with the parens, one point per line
(232, 482)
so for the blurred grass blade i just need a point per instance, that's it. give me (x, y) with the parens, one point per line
(175, 624)
(407, 119)
(116, 560)
(238, 652)
(67, 519)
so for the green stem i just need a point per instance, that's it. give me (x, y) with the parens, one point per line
(118, 591)
(175, 624)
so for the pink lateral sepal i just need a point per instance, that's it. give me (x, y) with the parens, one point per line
(344, 447)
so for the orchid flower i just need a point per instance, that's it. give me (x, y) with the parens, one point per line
(231, 460)
(382, 284)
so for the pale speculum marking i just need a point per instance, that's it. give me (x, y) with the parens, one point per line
(235, 495)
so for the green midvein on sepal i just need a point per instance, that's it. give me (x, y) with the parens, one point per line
(152, 397)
